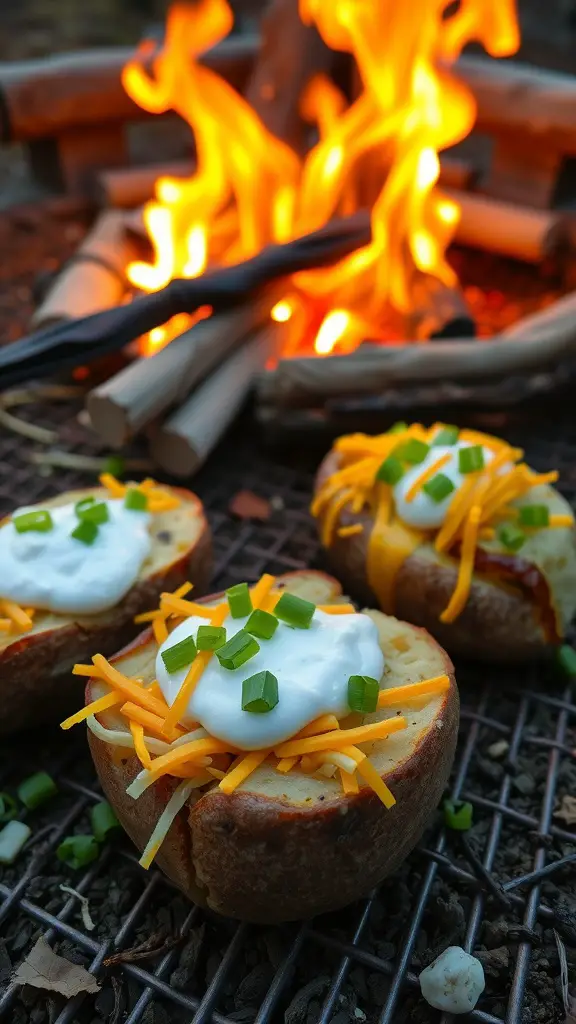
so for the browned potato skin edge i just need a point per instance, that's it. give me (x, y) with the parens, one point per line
(497, 624)
(262, 859)
(32, 695)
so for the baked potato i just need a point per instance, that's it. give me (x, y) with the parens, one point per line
(36, 684)
(288, 844)
(496, 584)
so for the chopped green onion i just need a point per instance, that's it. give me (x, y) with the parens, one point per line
(363, 694)
(78, 851)
(12, 839)
(36, 790)
(511, 536)
(180, 655)
(534, 515)
(448, 436)
(412, 451)
(92, 511)
(295, 611)
(115, 466)
(398, 428)
(239, 600)
(136, 500)
(470, 460)
(86, 531)
(39, 522)
(210, 638)
(239, 649)
(103, 820)
(439, 487)
(260, 693)
(8, 807)
(458, 815)
(262, 624)
(390, 471)
(566, 659)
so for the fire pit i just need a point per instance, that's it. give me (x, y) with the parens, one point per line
(331, 111)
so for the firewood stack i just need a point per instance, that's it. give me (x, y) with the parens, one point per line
(73, 117)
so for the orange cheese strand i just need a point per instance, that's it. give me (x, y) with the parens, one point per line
(349, 782)
(371, 776)
(560, 520)
(261, 590)
(390, 544)
(102, 704)
(5, 625)
(22, 621)
(326, 723)
(403, 694)
(179, 606)
(426, 476)
(160, 630)
(330, 517)
(285, 764)
(129, 688)
(194, 752)
(337, 609)
(247, 765)
(457, 511)
(140, 747)
(152, 723)
(117, 489)
(341, 738)
(178, 709)
(465, 569)
(350, 531)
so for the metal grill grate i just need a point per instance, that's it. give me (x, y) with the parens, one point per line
(363, 962)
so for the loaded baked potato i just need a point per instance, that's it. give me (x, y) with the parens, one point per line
(273, 800)
(63, 596)
(452, 531)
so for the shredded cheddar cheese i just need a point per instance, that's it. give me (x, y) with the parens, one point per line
(484, 499)
(155, 733)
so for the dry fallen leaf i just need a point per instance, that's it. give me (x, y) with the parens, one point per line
(43, 968)
(247, 505)
(567, 809)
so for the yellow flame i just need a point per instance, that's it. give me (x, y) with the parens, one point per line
(281, 312)
(380, 149)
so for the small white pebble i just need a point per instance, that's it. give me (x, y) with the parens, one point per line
(454, 982)
(498, 749)
(12, 839)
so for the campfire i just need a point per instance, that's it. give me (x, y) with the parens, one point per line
(344, 108)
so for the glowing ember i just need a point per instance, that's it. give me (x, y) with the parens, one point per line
(250, 188)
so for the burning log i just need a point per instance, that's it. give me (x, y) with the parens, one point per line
(128, 187)
(127, 402)
(185, 440)
(48, 97)
(533, 342)
(507, 229)
(95, 277)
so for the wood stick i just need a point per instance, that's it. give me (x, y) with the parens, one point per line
(506, 229)
(95, 277)
(290, 53)
(186, 439)
(534, 342)
(49, 96)
(518, 97)
(437, 311)
(129, 187)
(125, 403)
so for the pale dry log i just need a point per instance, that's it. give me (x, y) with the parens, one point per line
(507, 229)
(95, 277)
(437, 310)
(130, 187)
(534, 342)
(184, 441)
(124, 404)
(51, 96)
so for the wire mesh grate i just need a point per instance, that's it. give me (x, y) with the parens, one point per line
(363, 962)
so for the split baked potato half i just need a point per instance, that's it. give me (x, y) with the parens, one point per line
(521, 592)
(36, 684)
(288, 846)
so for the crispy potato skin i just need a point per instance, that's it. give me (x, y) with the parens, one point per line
(35, 680)
(497, 624)
(266, 859)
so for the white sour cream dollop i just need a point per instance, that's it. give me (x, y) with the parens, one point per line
(423, 512)
(312, 667)
(56, 572)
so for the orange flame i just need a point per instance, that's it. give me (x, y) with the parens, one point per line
(250, 188)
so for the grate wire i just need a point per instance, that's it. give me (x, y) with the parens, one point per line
(339, 957)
